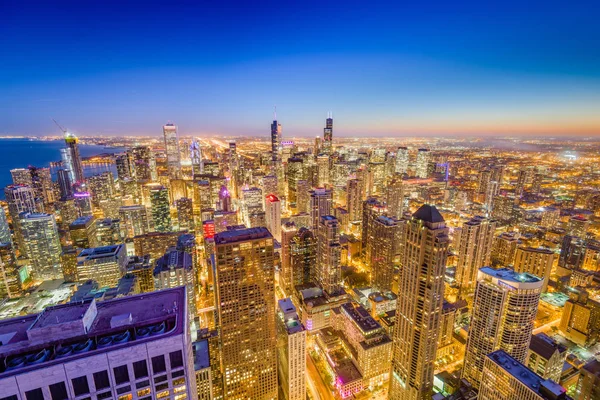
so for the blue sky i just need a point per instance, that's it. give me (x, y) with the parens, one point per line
(382, 68)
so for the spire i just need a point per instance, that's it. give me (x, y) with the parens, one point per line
(275, 114)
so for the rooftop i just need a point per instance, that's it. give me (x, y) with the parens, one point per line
(428, 213)
(241, 235)
(361, 317)
(509, 275)
(101, 252)
(545, 346)
(201, 355)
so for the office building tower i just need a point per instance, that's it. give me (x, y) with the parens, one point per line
(302, 196)
(401, 161)
(155, 243)
(41, 244)
(143, 269)
(108, 232)
(506, 378)
(321, 200)
(269, 184)
(130, 347)
(224, 200)
(20, 176)
(591, 256)
(489, 196)
(83, 202)
(497, 174)
(504, 248)
(354, 200)
(83, 232)
(474, 250)
(20, 198)
(504, 209)
(303, 257)
(420, 296)
(134, 220)
(329, 273)
(291, 350)
(245, 291)
(521, 181)
(549, 217)
(173, 269)
(327, 146)
(422, 165)
(536, 261)
(288, 232)
(504, 309)
(483, 180)
(75, 166)
(275, 140)
(372, 208)
(546, 357)
(580, 320)
(185, 214)
(273, 216)
(68, 261)
(324, 173)
(588, 385)
(10, 283)
(172, 150)
(384, 247)
(123, 165)
(295, 173)
(65, 185)
(102, 187)
(41, 182)
(105, 265)
(578, 226)
(143, 164)
(394, 198)
(196, 158)
(203, 370)
(572, 252)
(160, 210)
(4, 228)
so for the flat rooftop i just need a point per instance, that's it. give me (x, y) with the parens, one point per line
(201, 357)
(100, 252)
(361, 317)
(509, 275)
(62, 325)
(241, 235)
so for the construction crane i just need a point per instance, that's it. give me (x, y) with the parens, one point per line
(60, 127)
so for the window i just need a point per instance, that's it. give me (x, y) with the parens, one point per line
(13, 397)
(177, 373)
(176, 359)
(105, 395)
(140, 369)
(80, 385)
(123, 389)
(121, 374)
(159, 379)
(35, 394)
(126, 397)
(142, 384)
(58, 391)
(101, 380)
(143, 392)
(162, 386)
(158, 364)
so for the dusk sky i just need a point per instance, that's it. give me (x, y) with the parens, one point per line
(398, 68)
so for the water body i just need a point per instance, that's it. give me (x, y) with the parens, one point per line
(21, 153)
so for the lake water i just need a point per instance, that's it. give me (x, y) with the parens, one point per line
(21, 153)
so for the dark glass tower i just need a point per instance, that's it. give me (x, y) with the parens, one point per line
(72, 144)
(328, 134)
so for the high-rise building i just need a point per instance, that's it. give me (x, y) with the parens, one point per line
(394, 198)
(504, 248)
(580, 320)
(420, 297)
(185, 214)
(175, 269)
(506, 378)
(504, 309)
(572, 252)
(21, 176)
(172, 150)
(83, 232)
(422, 166)
(288, 232)
(130, 347)
(588, 385)
(401, 160)
(4, 228)
(329, 273)
(291, 346)
(273, 216)
(41, 182)
(536, 261)
(354, 200)
(275, 140)
(324, 172)
(303, 257)
(155, 243)
(578, 226)
(65, 185)
(384, 247)
(546, 357)
(372, 208)
(68, 261)
(105, 265)
(75, 158)
(10, 283)
(134, 220)
(102, 187)
(550, 217)
(474, 250)
(161, 212)
(302, 196)
(41, 244)
(327, 147)
(143, 163)
(321, 200)
(245, 291)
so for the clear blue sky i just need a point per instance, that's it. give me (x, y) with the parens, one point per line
(396, 68)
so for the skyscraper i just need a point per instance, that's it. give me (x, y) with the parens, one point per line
(422, 166)
(161, 213)
(76, 166)
(134, 220)
(245, 310)
(588, 386)
(504, 309)
(64, 183)
(291, 344)
(273, 216)
(401, 160)
(321, 200)
(328, 135)
(354, 200)
(536, 261)
(419, 307)
(41, 244)
(395, 197)
(303, 262)
(384, 246)
(474, 251)
(143, 163)
(172, 150)
(4, 228)
(329, 273)
(10, 283)
(275, 140)
(288, 232)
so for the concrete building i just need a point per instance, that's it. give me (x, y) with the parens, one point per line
(588, 386)
(172, 151)
(291, 350)
(245, 291)
(505, 378)
(512, 300)
(303, 257)
(131, 347)
(155, 244)
(420, 296)
(174, 269)
(202, 368)
(580, 320)
(10, 283)
(474, 251)
(159, 204)
(422, 165)
(329, 273)
(143, 270)
(41, 244)
(321, 200)
(83, 232)
(134, 220)
(536, 261)
(546, 357)
(105, 265)
(384, 245)
(504, 248)
(273, 216)
(288, 232)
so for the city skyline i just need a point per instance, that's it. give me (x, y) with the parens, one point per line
(393, 70)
